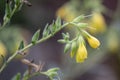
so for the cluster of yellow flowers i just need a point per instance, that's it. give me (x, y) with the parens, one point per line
(81, 53)
(97, 24)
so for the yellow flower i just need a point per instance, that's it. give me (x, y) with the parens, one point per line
(93, 42)
(81, 54)
(97, 22)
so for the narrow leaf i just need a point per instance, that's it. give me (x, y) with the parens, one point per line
(58, 22)
(64, 35)
(78, 19)
(45, 31)
(17, 2)
(21, 46)
(74, 48)
(53, 70)
(25, 75)
(8, 10)
(51, 28)
(51, 73)
(17, 77)
(82, 25)
(61, 41)
(35, 36)
(67, 47)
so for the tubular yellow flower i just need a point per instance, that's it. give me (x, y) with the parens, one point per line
(81, 54)
(93, 42)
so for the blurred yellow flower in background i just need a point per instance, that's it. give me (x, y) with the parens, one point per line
(97, 22)
(2, 49)
(3, 52)
(11, 37)
(113, 42)
(66, 12)
(81, 54)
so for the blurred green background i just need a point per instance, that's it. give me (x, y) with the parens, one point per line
(102, 63)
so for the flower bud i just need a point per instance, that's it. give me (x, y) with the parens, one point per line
(93, 42)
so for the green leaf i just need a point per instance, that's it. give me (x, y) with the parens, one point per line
(51, 28)
(25, 75)
(21, 46)
(17, 2)
(66, 36)
(54, 27)
(8, 11)
(67, 47)
(58, 22)
(51, 73)
(17, 77)
(80, 39)
(82, 25)
(74, 47)
(36, 36)
(53, 70)
(45, 32)
(61, 41)
(78, 19)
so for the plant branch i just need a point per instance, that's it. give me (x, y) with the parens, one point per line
(30, 45)
(15, 9)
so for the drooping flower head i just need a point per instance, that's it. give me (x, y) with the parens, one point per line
(81, 54)
(93, 42)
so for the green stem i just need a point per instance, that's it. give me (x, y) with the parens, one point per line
(28, 46)
(8, 20)
(34, 74)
